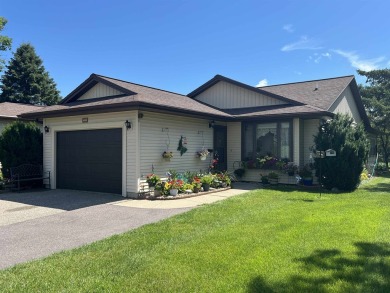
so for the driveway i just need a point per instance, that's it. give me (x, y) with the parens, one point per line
(36, 224)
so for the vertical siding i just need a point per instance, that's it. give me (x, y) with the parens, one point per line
(153, 142)
(233, 144)
(345, 104)
(224, 95)
(95, 121)
(296, 140)
(310, 129)
(98, 91)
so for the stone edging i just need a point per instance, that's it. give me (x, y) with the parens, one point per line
(183, 195)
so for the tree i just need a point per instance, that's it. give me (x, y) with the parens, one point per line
(20, 143)
(5, 42)
(376, 99)
(351, 145)
(27, 81)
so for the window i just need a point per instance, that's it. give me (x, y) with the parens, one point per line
(262, 139)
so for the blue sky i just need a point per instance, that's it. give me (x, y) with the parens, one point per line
(178, 45)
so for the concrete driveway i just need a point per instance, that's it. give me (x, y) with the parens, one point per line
(36, 224)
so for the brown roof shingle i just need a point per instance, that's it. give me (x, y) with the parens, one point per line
(318, 93)
(12, 110)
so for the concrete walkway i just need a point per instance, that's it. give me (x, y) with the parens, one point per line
(36, 224)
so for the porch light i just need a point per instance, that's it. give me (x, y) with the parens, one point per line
(211, 124)
(47, 129)
(128, 124)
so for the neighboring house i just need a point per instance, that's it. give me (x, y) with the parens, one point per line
(9, 112)
(88, 146)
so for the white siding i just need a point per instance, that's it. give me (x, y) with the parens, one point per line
(98, 91)
(296, 140)
(310, 128)
(96, 121)
(224, 95)
(233, 145)
(345, 104)
(162, 132)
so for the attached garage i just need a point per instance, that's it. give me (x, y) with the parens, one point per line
(90, 160)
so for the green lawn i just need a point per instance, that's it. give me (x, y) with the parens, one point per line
(263, 241)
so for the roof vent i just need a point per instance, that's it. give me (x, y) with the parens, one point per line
(316, 88)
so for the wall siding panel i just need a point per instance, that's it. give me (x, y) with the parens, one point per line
(98, 91)
(345, 104)
(162, 132)
(233, 145)
(228, 96)
(310, 129)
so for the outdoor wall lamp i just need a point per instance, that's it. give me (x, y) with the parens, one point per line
(211, 124)
(47, 129)
(128, 124)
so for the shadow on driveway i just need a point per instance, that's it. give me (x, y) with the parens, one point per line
(60, 198)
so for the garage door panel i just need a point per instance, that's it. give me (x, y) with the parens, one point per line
(90, 160)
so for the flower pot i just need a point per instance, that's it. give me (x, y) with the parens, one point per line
(157, 192)
(307, 181)
(203, 158)
(196, 190)
(206, 187)
(167, 159)
(173, 192)
(273, 181)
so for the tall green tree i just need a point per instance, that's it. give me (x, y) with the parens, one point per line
(376, 99)
(351, 145)
(26, 80)
(5, 42)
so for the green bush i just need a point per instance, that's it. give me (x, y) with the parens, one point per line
(20, 143)
(351, 145)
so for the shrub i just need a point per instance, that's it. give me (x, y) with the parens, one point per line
(20, 143)
(351, 146)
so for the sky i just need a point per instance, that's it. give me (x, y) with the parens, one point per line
(178, 45)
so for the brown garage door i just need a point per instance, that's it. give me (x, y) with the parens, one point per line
(90, 160)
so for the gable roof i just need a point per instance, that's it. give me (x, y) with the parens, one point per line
(302, 99)
(219, 78)
(13, 110)
(320, 93)
(134, 96)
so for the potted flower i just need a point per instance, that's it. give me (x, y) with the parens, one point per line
(206, 181)
(175, 185)
(264, 179)
(197, 184)
(159, 188)
(239, 172)
(167, 155)
(290, 168)
(203, 154)
(152, 179)
(273, 178)
(306, 175)
(224, 179)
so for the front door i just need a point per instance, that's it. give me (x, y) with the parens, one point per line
(220, 147)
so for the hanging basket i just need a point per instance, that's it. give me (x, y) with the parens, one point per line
(203, 158)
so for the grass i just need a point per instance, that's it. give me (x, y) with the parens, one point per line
(264, 241)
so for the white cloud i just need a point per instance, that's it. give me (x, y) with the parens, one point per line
(304, 43)
(298, 72)
(288, 28)
(263, 82)
(326, 55)
(354, 59)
